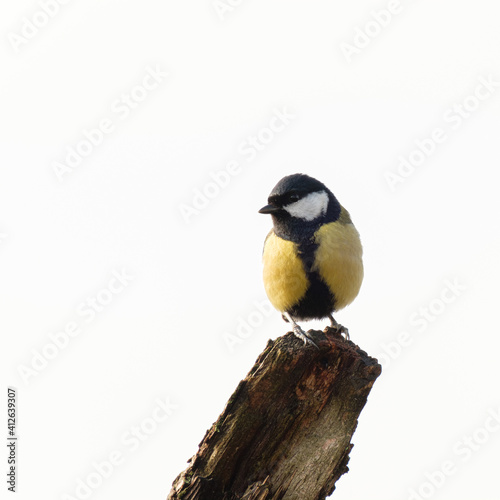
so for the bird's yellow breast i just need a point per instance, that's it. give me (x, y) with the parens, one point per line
(338, 259)
(285, 280)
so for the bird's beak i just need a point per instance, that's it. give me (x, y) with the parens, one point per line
(269, 209)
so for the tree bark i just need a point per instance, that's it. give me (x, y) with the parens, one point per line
(286, 431)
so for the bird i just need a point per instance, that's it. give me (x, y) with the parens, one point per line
(312, 256)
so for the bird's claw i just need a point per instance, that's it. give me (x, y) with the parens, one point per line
(302, 335)
(342, 330)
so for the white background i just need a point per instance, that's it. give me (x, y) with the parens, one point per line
(196, 281)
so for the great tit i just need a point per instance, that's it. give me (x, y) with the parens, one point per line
(312, 256)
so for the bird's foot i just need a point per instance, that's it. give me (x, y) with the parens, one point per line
(343, 331)
(302, 335)
(297, 330)
(339, 328)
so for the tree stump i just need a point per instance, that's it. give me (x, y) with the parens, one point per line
(286, 431)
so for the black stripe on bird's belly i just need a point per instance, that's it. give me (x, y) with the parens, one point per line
(319, 301)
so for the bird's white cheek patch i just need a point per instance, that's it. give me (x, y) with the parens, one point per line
(310, 207)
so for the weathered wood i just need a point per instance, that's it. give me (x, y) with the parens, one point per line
(286, 431)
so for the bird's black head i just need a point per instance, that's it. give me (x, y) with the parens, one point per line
(299, 205)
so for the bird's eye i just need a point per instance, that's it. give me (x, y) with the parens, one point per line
(294, 197)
